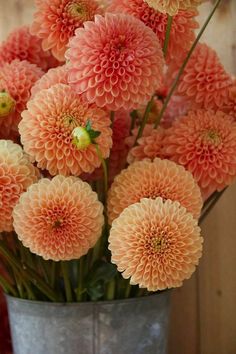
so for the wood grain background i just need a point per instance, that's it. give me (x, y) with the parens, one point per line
(203, 315)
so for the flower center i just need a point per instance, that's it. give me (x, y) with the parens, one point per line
(70, 121)
(57, 223)
(211, 137)
(158, 244)
(157, 241)
(77, 10)
(7, 104)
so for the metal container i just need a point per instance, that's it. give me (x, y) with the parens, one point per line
(133, 326)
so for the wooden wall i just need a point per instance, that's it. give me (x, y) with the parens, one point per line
(203, 316)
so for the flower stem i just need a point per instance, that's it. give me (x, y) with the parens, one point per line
(104, 166)
(181, 70)
(111, 290)
(65, 273)
(81, 275)
(128, 290)
(167, 37)
(209, 204)
(144, 120)
(7, 287)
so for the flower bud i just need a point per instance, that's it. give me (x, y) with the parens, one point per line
(7, 104)
(81, 138)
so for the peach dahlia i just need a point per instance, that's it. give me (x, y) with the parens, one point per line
(22, 45)
(182, 28)
(155, 243)
(46, 131)
(172, 7)
(16, 80)
(59, 219)
(115, 61)
(55, 22)
(204, 142)
(152, 179)
(16, 175)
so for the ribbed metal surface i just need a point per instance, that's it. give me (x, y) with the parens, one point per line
(136, 326)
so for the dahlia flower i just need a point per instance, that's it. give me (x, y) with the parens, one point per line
(16, 175)
(20, 44)
(47, 126)
(204, 80)
(55, 22)
(52, 77)
(148, 146)
(182, 28)
(204, 142)
(16, 80)
(172, 7)
(147, 179)
(155, 243)
(59, 219)
(116, 62)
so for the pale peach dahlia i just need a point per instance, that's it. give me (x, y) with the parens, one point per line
(148, 146)
(16, 79)
(22, 45)
(16, 175)
(147, 179)
(182, 28)
(172, 7)
(204, 142)
(55, 22)
(59, 219)
(204, 81)
(155, 243)
(47, 126)
(115, 61)
(54, 76)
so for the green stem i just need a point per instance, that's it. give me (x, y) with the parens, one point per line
(181, 70)
(111, 290)
(104, 166)
(28, 273)
(128, 290)
(134, 116)
(209, 205)
(167, 37)
(65, 273)
(7, 287)
(80, 283)
(53, 274)
(144, 120)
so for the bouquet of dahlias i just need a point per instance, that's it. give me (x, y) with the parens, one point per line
(118, 133)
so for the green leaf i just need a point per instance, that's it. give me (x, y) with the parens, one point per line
(94, 134)
(88, 126)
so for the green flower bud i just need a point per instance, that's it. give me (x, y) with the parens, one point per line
(81, 138)
(7, 104)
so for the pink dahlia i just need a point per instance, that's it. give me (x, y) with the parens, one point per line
(22, 45)
(47, 126)
(155, 243)
(182, 28)
(59, 219)
(172, 7)
(16, 175)
(52, 77)
(148, 146)
(204, 142)
(152, 179)
(16, 80)
(204, 81)
(55, 22)
(116, 62)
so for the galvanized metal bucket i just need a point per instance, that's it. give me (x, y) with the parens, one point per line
(133, 326)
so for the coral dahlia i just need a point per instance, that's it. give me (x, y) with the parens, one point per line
(204, 142)
(16, 80)
(155, 243)
(152, 179)
(16, 175)
(182, 28)
(59, 219)
(54, 76)
(22, 45)
(55, 22)
(115, 61)
(204, 80)
(172, 7)
(47, 126)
